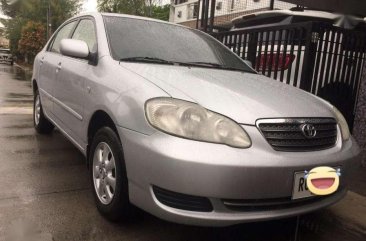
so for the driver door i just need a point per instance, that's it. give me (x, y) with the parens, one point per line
(70, 86)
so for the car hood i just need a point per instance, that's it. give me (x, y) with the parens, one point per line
(244, 97)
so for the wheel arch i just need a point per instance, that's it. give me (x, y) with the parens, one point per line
(34, 85)
(99, 119)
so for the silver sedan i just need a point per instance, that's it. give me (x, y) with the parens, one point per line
(171, 121)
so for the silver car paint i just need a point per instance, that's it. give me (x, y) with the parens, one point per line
(226, 92)
(197, 168)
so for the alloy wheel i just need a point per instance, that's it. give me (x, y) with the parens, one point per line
(37, 110)
(104, 173)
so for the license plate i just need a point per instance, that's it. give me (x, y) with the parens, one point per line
(300, 189)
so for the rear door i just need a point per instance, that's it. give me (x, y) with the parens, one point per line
(70, 86)
(49, 67)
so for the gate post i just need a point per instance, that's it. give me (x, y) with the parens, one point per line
(198, 14)
(212, 15)
(312, 38)
(359, 130)
(252, 48)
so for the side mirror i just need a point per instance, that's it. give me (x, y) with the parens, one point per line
(249, 63)
(74, 48)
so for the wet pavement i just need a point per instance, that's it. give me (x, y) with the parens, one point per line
(45, 191)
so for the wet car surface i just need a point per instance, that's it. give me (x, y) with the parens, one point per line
(45, 189)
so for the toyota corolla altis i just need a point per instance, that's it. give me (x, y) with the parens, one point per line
(173, 122)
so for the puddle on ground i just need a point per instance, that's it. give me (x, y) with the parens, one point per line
(20, 137)
(17, 101)
(23, 126)
(7, 70)
(18, 73)
(19, 95)
(26, 229)
(21, 74)
(22, 99)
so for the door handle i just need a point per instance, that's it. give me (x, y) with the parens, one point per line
(59, 67)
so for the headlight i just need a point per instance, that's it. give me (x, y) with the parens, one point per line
(191, 121)
(342, 124)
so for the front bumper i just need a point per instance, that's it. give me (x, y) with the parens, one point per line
(220, 172)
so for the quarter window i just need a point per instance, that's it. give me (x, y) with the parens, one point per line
(85, 31)
(63, 33)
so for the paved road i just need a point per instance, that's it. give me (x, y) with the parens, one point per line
(45, 190)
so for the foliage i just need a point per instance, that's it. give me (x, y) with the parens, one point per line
(135, 7)
(161, 12)
(9, 10)
(32, 39)
(13, 33)
(23, 11)
(148, 8)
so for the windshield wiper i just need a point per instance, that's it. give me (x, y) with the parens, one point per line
(196, 64)
(216, 65)
(209, 64)
(146, 60)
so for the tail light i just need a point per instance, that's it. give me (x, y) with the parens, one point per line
(276, 61)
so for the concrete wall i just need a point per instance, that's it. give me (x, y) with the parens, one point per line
(359, 130)
(221, 20)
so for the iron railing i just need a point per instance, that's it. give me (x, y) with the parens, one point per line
(317, 57)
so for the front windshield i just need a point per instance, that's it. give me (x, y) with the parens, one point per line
(131, 38)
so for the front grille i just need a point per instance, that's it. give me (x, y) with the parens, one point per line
(182, 201)
(289, 134)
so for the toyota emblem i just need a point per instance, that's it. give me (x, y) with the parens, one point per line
(308, 130)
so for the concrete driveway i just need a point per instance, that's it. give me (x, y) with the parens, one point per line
(45, 191)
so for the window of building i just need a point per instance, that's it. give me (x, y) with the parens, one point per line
(238, 4)
(193, 10)
(180, 1)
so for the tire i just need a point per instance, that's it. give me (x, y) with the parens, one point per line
(108, 179)
(41, 124)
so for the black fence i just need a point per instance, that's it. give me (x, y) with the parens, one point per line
(314, 56)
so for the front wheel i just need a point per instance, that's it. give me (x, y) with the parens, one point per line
(41, 124)
(108, 175)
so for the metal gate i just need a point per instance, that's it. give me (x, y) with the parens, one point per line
(314, 56)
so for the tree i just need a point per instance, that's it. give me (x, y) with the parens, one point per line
(23, 11)
(9, 9)
(32, 39)
(135, 7)
(148, 8)
(13, 33)
(161, 12)
(62, 10)
(36, 10)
